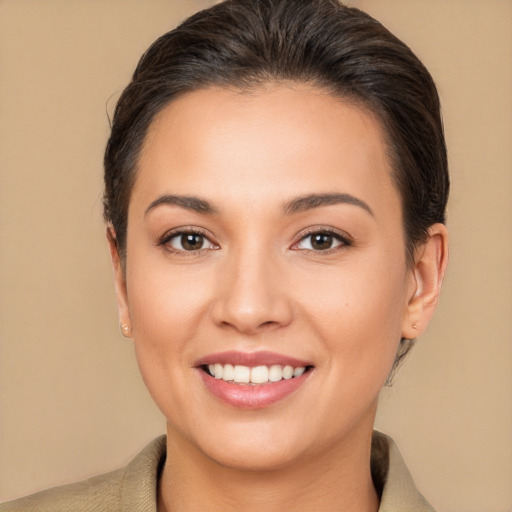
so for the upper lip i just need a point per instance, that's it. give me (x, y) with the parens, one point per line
(251, 359)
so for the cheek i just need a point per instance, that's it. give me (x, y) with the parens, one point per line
(358, 315)
(165, 301)
(166, 310)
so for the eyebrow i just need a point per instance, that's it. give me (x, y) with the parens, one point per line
(300, 204)
(188, 202)
(310, 201)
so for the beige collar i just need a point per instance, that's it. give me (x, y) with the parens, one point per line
(391, 477)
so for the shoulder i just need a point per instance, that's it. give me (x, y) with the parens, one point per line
(393, 480)
(135, 483)
(97, 493)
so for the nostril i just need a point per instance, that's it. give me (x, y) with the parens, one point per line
(251, 303)
(250, 325)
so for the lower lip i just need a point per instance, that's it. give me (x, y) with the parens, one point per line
(250, 396)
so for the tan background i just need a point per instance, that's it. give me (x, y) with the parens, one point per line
(72, 403)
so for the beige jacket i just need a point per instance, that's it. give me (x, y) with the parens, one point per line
(133, 488)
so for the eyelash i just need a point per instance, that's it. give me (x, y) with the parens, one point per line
(343, 239)
(166, 239)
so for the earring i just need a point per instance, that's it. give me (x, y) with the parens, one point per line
(125, 329)
(415, 327)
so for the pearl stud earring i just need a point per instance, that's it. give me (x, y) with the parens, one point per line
(125, 329)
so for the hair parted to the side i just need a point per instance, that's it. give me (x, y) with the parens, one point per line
(244, 44)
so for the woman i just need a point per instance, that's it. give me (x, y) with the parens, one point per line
(275, 188)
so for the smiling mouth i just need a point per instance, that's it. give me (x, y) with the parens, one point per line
(253, 380)
(256, 375)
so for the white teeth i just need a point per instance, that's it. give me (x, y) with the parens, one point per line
(259, 374)
(255, 375)
(287, 372)
(228, 373)
(275, 373)
(242, 374)
(218, 370)
(299, 371)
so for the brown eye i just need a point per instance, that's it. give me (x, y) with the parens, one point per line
(322, 241)
(189, 241)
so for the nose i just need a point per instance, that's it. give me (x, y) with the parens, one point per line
(252, 296)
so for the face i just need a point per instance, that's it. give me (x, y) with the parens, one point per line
(265, 243)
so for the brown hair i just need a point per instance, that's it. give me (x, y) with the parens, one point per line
(243, 43)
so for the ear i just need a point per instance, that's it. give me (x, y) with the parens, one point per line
(119, 283)
(427, 276)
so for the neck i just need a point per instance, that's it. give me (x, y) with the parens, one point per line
(337, 480)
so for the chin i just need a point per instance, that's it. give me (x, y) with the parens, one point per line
(252, 457)
(248, 446)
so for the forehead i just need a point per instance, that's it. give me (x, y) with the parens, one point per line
(266, 144)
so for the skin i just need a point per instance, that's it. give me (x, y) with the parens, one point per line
(257, 283)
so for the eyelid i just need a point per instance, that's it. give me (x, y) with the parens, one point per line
(164, 240)
(345, 239)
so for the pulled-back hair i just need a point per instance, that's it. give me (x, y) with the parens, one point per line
(246, 43)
